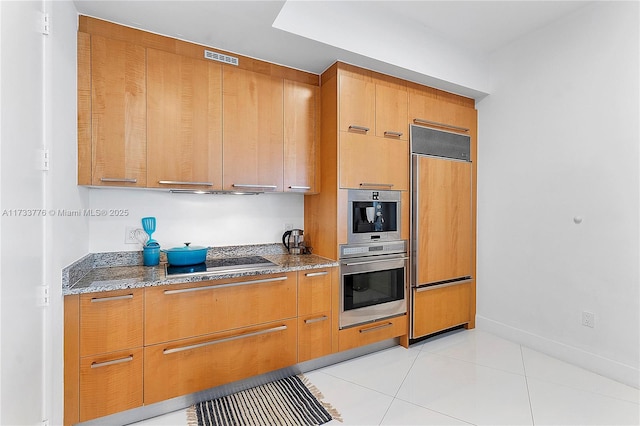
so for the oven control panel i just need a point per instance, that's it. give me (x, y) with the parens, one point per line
(372, 249)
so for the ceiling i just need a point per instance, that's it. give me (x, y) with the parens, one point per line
(247, 27)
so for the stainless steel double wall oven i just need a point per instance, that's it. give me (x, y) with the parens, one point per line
(374, 262)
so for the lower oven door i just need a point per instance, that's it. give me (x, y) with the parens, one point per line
(372, 288)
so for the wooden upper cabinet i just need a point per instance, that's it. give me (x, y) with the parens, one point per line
(391, 112)
(253, 131)
(184, 110)
(356, 105)
(118, 113)
(445, 248)
(430, 111)
(301, 134)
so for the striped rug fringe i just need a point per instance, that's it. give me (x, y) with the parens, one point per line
(216, 412)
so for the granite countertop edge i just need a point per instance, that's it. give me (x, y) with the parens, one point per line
(91, 273)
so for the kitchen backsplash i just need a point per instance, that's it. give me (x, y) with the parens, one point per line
(211, 220)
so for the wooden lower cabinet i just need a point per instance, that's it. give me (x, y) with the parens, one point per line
(110, 383)
(365, 334)
(440, 307)
(191, 365)
(314, 336)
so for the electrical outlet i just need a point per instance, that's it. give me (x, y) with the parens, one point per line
(588, 319)
(130, 235)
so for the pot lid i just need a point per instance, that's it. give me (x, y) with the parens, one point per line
(186, 248)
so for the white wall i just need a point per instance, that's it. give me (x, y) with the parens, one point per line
(210, 220)
(559, 138)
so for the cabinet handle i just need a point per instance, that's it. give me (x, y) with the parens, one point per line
(226, 339)
(316, 274)
(211, 287)
(115, 361)
(386, 185)
(251, 185)
(177, 182)
(393, 134)
(377, 327)
(435, 123)
(121, 180)
(359, 128)
(442, 285)
(318, 319)
(109, 299)
(306, 188)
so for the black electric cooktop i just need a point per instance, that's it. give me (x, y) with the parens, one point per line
(223, 265)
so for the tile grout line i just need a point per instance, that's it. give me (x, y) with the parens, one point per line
(526, 382)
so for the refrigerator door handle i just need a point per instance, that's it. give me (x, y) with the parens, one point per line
(465, 280)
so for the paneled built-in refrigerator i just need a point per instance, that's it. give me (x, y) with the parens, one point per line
(441, 231)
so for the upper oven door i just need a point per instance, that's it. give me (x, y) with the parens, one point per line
(373, 216)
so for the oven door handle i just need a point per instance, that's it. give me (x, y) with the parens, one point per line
(366, 262)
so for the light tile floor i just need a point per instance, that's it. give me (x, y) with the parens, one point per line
(466, 377)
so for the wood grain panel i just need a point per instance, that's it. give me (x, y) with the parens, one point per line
(314, 336)
(253, 129)
(354, 337)
(422, 106)
(171, 316)
(118, 112)
(84, 109)
(370, 159)
(314, 291)
(167, 375)
(301, 135)
(110, 388)
(391, 112)
(444, 247)
(184, 114)
(109, 322)
(356, 103)
(441, 308)
(71, 360)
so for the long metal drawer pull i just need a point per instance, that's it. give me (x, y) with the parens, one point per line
(251, 185)
(378, 327)
(312, 320)
(392, 133)
(115, 361)
(388, 185)
(359, 128)
(366, 262)
(223, 340)
(109, 299)
(443, 285)
(299, 187)
(178, 182)
(211, 287)
(435, 123)
(122, 180)
(316, 274)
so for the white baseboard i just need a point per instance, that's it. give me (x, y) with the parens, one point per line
(629, 375)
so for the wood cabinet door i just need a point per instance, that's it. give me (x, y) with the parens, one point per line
(253, 157)
(314, 291)
(428, 110)
(186, 366)
(111, 321)
(118, 113)
(391, 112)
(110, 383)
(366, 334)
(440, 307)
(184, 147)
(301, 109)
(357, 101)
(368, 162)
(193, 309)
(443, 219)
(314, 336)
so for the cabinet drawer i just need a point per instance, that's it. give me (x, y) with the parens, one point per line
(194, 309)
(437, 308)
(386, 165)
(110, 321)
(314, 291)
(354, 337)
(110, 383)
(314, 336)
(192, 365)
